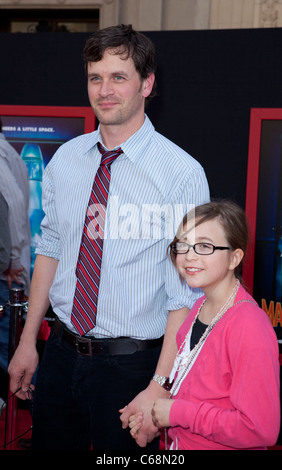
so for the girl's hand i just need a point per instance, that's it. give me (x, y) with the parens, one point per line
(160, 412)
(135, 423)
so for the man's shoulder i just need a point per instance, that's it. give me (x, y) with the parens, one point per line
(78, 145)
(174, 153)
(84, 141)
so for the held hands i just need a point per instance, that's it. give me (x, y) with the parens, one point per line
(145, 425)
(143, 402)
(160, 416)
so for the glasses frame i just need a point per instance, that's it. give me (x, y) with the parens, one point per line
(214, 248)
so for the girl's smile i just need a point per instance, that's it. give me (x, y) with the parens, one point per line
(191, 271)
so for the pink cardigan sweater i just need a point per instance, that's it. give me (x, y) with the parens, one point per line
(230, 398)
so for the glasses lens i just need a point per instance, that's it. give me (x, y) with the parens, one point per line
(179, 247)
(204, 248)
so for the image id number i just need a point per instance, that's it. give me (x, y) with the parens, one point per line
(160, 459)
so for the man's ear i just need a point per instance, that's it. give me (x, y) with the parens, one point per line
(148, 85)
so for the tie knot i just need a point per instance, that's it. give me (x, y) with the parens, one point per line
(108, 156)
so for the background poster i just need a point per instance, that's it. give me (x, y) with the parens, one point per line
(264, 211)
(36, 138)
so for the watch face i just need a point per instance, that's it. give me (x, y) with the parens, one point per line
(163, 382)
(167, 385)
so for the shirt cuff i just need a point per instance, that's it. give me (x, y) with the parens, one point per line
(178, 302)
(48, 253)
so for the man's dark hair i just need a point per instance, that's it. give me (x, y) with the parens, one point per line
(122, 40)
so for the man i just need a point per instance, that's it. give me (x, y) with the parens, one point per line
(5, 237)
(97, 361)
(14, 241)
(14, 186)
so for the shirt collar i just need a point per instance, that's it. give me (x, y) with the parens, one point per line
(133, 146)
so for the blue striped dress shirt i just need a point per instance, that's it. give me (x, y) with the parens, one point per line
(14, 186)
(153, 183)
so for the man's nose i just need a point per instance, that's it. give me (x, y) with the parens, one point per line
(106, 88)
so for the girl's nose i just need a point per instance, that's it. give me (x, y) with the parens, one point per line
(191, 254)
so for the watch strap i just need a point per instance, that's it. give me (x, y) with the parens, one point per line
(162, 381)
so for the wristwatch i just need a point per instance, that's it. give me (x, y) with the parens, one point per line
(162, 381)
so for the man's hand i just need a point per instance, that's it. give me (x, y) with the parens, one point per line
(25, 361)
(21, 370)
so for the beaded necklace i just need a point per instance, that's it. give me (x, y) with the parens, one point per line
(184, 361)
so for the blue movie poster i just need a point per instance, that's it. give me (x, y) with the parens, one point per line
(36, 139)
(268, 248)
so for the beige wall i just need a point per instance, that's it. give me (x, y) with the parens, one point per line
(155, 15)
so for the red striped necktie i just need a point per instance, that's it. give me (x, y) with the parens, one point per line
(89, 262)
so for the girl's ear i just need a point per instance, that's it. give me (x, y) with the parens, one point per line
(236, 258)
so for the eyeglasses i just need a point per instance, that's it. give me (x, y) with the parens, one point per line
(200, 248)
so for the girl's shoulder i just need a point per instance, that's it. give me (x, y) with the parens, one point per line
(247, 318)
(245, 303)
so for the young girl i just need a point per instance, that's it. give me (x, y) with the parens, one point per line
(225, 379)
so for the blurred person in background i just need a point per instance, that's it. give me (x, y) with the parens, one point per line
(14, 187)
